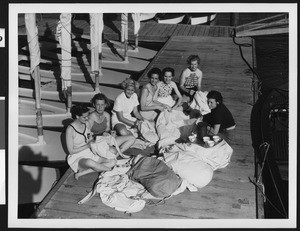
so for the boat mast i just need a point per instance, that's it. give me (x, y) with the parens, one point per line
(35, 58)
(124, 34)
(65, 43)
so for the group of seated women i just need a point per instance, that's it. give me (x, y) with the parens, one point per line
(130, 110)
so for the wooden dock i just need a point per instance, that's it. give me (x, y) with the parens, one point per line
(230, 194)
(149, 30)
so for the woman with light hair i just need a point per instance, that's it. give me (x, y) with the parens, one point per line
(125, 104)
(191, 78)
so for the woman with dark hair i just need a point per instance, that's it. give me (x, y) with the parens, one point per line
(165, 88)
(99, 121)
(191, 78)
(79, 139)
(220, 120)
(125, 104)
(149, 108)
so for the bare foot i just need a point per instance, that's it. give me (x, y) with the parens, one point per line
(76, 175)
(83, 172)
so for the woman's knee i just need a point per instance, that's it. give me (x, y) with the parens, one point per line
(86, 163)
(131, 138)
(124, 132)
(121, 129)
(111, 163)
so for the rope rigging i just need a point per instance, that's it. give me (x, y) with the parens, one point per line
(258, 182)
(255, 81)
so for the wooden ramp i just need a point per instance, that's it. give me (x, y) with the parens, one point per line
(230, 194)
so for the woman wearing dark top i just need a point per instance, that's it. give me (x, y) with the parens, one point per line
(220, 121)
(100, 122)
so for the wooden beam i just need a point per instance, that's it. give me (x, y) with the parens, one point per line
(262, 32)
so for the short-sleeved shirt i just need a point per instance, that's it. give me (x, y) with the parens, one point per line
(192, 78)
(220, 115)
(125, 105)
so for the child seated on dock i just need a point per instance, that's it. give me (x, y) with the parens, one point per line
(79, 140)
(165, 88)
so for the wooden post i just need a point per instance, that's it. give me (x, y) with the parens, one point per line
(39, 117)
(34, 50)
(97, 81)
(69, 99)
(136, 42)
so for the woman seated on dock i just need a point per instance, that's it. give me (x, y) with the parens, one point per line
(190, 79)
(150, 109)
(79, 139)
(125, 104)
(99, 121)
(165, 88)
(220, 120)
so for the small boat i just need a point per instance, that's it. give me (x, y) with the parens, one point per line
(270, 138)
(54, 113)
(200, 18)
(137, 60)
(169, 18)
(39, 164)
(51, 93)
(146, 16)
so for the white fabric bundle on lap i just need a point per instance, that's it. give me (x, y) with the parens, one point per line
(167, 126)
(200, 102)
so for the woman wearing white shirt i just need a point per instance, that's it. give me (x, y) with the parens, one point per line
(125, 104)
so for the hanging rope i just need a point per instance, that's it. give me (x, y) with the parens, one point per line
(257, 81)
(259, 183)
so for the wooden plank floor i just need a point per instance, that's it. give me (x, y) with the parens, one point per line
(229, 194)
(149, 31)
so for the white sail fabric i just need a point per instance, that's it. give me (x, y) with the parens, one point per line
(101, 27)
(94, 37)
(64, 26)
(124, 27)
(33, 43)
(136, 17)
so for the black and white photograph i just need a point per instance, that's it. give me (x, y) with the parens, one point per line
(152, 115)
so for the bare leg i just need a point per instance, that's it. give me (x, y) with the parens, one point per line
(122, 130)
(83, 172)
(185, 99)
(90, 166)
(125, 142)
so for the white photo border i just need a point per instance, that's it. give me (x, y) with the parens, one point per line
(15, 9)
